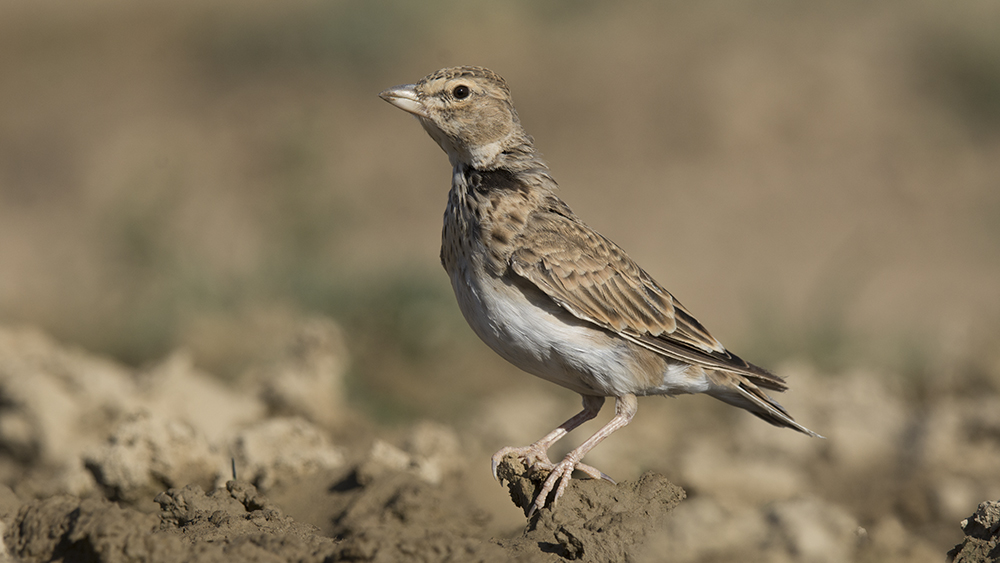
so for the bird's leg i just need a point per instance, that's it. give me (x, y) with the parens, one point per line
(537, 454)
(625, 407)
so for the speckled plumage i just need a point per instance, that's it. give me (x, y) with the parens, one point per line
(550, 294)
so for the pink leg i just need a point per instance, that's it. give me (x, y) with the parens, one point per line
(625, 408)
(537, 454)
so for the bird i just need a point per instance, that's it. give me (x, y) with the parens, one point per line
(550, 294)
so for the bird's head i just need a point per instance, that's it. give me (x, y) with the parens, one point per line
(467, 110)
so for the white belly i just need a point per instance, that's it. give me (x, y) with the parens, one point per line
(547, 341)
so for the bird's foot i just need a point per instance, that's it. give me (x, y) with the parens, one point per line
(559, 478)
(537, 459)
(559, 475)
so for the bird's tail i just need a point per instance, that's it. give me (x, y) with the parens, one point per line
(740, 392)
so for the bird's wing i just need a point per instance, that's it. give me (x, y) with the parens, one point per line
(595, 280)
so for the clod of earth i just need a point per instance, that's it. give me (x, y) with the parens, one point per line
(594, 520)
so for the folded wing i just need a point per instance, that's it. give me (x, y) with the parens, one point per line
(595, 280)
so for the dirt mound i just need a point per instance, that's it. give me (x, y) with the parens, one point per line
(394, 517)
(982, 536)
(235, 523)
(110, 464)
(595, 520)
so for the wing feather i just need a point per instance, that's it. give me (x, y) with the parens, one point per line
(596, 281)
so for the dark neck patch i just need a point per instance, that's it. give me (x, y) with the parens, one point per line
(485, 182)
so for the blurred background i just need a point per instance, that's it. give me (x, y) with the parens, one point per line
(819, 183)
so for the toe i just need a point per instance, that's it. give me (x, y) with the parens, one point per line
(593, 472)
(558, 479)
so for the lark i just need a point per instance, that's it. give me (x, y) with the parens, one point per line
(553, 296)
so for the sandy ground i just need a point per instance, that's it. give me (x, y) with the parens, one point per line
(104, 463)
(395, 517)
(138, 492)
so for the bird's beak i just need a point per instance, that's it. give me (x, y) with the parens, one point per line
(405, 98)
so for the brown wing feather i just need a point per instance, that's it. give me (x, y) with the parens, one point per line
(595, 280)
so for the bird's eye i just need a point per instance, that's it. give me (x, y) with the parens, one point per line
(460, 92)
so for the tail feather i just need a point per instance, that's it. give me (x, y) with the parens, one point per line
(740, 392)
(761, 377)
